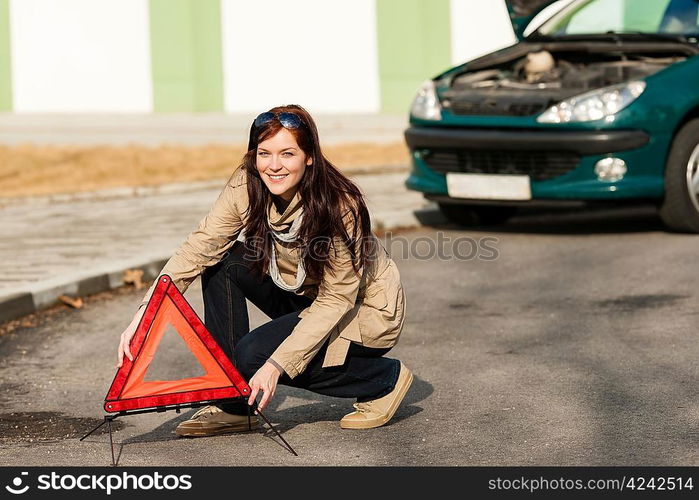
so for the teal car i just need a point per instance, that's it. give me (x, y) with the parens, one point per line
(599, 102)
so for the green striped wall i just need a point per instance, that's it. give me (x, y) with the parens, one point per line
(186, 55)
(414, 44)
(186, 52)
(5, 61)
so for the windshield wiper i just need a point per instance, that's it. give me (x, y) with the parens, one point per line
(536, 36)
(617, 36)
(655, 36)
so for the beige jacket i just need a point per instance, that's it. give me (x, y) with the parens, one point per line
(367, 309)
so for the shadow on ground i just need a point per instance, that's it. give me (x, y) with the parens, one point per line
(602, 220)
(318, 409)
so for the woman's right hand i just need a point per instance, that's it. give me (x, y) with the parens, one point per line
(127, 335)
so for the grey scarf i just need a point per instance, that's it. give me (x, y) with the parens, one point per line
(287, 237)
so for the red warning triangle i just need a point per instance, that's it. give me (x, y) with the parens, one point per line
(166, 307)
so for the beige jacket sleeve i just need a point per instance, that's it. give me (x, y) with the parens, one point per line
(207, 244)
(337, 293)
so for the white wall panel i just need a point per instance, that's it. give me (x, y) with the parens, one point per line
(478, 27)
(317, 53)
(80, 55)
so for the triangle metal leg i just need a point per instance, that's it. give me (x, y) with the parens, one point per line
(111, 442)
(95, 429)
(288, 446)
(108, 420)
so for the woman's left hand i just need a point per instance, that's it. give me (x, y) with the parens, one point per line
(265, 380)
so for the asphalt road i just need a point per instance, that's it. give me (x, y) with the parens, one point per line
(568, 340)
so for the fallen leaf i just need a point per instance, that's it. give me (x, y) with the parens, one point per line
(76, 302)
(134, 277)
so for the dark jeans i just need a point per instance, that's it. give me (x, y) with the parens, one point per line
(365, 375)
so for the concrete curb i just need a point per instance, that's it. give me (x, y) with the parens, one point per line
(15, 305)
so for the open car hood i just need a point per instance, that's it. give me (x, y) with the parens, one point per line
(523, 11)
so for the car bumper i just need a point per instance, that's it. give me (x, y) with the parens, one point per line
(583, 142)
(560, 162)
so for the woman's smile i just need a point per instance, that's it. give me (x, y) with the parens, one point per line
(277, 178)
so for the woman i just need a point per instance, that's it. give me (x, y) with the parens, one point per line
(292, 234)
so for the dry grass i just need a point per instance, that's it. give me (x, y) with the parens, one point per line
(42, 170)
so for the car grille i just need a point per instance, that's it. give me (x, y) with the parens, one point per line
(539, 165)
(492, 108)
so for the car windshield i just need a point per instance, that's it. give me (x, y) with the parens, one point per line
(619, 17)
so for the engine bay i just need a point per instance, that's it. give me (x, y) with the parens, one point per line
(531, 80)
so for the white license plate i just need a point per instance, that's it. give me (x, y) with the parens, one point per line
(489, 187)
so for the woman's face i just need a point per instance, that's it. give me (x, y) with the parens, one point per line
(281, 164)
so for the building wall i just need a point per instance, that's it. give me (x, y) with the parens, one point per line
(80, 55)
(319, 53)
(414, 44)
(185, 44)
(478, 27)
(5, 62)
(340, 56)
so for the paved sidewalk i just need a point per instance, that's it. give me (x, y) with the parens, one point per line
(82, 246)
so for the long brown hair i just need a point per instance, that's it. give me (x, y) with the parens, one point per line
(326, 196)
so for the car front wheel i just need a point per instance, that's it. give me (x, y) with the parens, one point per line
(680, 207)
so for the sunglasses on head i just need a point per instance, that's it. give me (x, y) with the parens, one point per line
(288, 120)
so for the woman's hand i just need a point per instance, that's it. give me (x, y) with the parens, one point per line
(265, 380)
(127, 335)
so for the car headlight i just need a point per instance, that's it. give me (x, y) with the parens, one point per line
(426, 104)
(594, 105)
